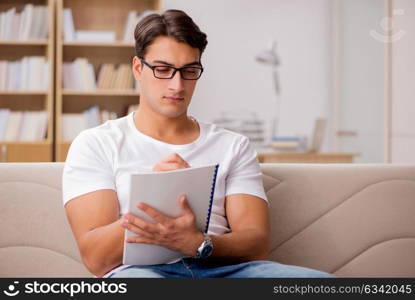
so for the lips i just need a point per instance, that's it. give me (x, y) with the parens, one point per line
(174, 99)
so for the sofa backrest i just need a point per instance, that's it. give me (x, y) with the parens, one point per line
(353, 220)
(36, 239)
(347, 219)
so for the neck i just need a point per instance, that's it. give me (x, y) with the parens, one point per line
(167, 129)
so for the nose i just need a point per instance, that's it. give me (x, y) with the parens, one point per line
(176, 83)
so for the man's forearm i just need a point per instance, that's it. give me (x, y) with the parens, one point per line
(244, 245)
(102, 248)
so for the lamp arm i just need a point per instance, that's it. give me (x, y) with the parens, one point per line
(277, 112)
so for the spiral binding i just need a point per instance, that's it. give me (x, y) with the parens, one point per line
(212, 192)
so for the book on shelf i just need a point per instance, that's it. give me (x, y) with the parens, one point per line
(80, 75)
(285, 142)
(317, 139)
(106, 115)
(131, 108)
(73, 123)
(3, 75)
(95, 36)
(197, 183)
(23, 126)
(6, 22)
(13, 126)
(104, 76)
(4, 116)
(92, 116)
(129, 27)
(33, 126)
(68, 25)
(29, 24)
(31, 73)
(132, 19)
(123, 78)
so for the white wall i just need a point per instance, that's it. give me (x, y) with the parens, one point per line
(237, 30)
(403, 85)
(361, 78)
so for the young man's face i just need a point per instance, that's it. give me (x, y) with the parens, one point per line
(168, 97)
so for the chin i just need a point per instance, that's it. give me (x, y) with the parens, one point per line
(173, 114)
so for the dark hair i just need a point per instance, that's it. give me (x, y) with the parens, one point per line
(172, 23)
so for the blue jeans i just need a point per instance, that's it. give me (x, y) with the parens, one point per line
(193, 268)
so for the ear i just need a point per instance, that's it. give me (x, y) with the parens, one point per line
(137, 68)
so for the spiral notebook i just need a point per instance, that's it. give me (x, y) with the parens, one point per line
(161, 190)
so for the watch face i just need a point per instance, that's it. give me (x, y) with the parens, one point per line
(207, 250)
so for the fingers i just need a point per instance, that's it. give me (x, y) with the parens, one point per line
(138, 225)
(139, 239)
(172, 162)
(168, 167)
(174, 157)
(184, 204)
(153, 213)
(137, 230)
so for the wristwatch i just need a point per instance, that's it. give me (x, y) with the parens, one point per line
(206, 248)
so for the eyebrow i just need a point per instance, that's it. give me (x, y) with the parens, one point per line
(169, 64)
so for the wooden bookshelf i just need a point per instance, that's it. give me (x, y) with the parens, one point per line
(14, 43)
(25, 151)
(95, 44)
(110, 15)
(131, 93)
(12, 50)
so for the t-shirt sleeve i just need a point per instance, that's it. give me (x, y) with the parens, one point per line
(87, 168)
(245, 176)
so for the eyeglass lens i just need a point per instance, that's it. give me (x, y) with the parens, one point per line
(186, 73)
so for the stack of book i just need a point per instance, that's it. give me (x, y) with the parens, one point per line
(23, 126)
(31, 73)
(286, 143)
(118, 77)
(243, 122)
(74, 123)
(80, 75)
(30, 24)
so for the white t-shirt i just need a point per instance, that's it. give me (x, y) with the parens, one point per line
(104, 156)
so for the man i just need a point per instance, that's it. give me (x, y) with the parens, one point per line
(160, 136)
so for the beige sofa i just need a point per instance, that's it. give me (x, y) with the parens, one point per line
(348, 219)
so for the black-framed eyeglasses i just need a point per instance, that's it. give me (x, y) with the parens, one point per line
(168, 72)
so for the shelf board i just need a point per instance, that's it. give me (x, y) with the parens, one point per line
(25, 93)
(17, 143)
(99, 44)
(23, 43)
(100, 93)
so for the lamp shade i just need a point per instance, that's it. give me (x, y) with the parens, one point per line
(268, 56)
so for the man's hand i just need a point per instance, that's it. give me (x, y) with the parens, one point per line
(178, 234)
(172, 162)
